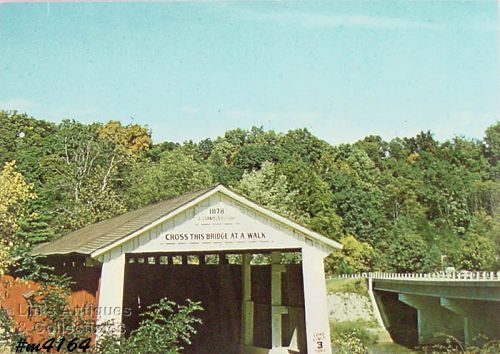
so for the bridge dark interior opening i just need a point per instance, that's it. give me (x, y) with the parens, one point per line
(217, 284)
(399, 319)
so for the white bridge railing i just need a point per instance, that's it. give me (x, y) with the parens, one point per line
(439, 276)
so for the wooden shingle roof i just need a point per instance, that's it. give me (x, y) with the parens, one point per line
(95, 239)
(95, 236)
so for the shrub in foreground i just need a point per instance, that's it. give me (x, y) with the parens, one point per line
(166, 328)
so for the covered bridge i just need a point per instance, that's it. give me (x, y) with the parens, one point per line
(203, 246)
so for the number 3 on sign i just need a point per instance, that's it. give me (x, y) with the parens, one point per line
(319, 339)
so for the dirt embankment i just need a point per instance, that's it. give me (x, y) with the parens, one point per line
(350, 309)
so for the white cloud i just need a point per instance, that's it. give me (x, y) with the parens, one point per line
(468, 124)
(17, 104)
(273, 119)
(52, 112)
(344, 130)
(321, 20)
(366, 21)
(189, 109)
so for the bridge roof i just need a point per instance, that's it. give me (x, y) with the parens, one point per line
(92, 237)
(100, 237)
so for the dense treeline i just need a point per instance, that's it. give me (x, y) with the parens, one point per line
(409, 204)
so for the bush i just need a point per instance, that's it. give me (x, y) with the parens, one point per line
(475, 252)
(453, 346)
(7, 333)
(407, 252)
(355, 257)
(347, 285)
(349, 343)
(166, 328)
(357, 329)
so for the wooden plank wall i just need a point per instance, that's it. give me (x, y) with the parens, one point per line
(15, 292)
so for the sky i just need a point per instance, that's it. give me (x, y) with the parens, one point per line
(192, 70)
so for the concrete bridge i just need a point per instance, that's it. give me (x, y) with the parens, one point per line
(463, 305)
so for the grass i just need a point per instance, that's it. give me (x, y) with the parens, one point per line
(350, 285)
(358, 329)
(389, 348)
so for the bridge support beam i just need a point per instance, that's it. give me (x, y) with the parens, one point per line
(382, 309)
(434, 321)
(481, 320)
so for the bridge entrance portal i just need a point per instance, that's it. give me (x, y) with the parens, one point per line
(236, 295)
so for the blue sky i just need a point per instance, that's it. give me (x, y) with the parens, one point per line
(193, 70)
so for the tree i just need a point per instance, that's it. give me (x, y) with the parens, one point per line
(400, 198)
(14, 192)
(301, 144)
(488, 225)
(25, 140)
(475, 252)
(157, 150)
(313, 194)
(424, 141)
(492, 141)
(352, 179)
(132, 138)
(376, 149)
(360, 207)
(284, 194)
(174, 174)
(251, 157)
(85, 172)
(407, 192)
(240, 151)
(271, 189)
(220, 163)
(83, 175)
(406, 251)
(355, 257)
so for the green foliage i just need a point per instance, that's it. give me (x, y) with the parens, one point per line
(327, 223)
(356, 198)
(406, 252)
(351, 337)
(300, 143)
(271, 189)
(7, 331)
(312, 195)
(14, 193)
(25, 140)
(166, 328)
(474, 252)
(481, 345)
(358, 328)
(348, 285)
(174, 174)
(355, 257)
(82, 176)
(488, 225)
(251, 157)
(492, 142)
(412, 200)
